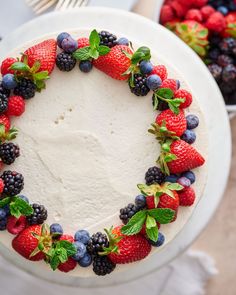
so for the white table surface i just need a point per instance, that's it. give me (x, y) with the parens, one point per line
(203, 85)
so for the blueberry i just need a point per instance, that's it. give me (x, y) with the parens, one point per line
(172, 178)
(153, 82)
(61, 37)
(3, 224)
(184, 181)
(82, 236)
(85, 66)
(86, 260)
(223, 9)
(189, 136)
(81, 250)
(3, 214)
(146, 67)
(9, 82)
(56, 229)
(190, 175)
(123, 41)
(140, 201)
(178, 84)
(24, 198)
(69, 45)
(192, 121)
(7, 209)
(159, 242)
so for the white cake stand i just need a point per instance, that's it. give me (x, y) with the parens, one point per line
(146, 32)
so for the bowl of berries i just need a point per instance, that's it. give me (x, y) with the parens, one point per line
(209, 28)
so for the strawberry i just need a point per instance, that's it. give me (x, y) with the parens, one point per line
(68, 238)
(5, 121)
(160, 71)
(32, 242)
(115, 63)
(67, 266)
(126, 249)
(199, 3)
(186, 157)
(6, 64)
(45, 53)
(82, 42)
(16, 106)
(166, 201)
(194, 14)
(1, 181)
(206, 11)
(171, 84)
(16, 225)
(181, 93)
(173, 122)
(216, 22)
(179, 10)
(230, 30)
(187, 197)
(167, 14)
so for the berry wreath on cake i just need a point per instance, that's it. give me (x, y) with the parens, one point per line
(87, 141)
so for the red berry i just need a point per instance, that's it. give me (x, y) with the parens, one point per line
(160, 71)
(16, 106)
(187, 197)
(5, 121)
(82, 42)
(67, 266)
(16, 225)
(1, 185)
(194, 14)
(68, 238)
(171, 84)
(207, 11)
(182, 93)
(199, 3)
(150, 202)
(216, 22)
(6, 64)
(180, 10)
(167, 14)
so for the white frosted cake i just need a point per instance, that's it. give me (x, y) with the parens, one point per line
(84, 147)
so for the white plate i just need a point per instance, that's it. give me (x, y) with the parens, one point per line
(146, 32)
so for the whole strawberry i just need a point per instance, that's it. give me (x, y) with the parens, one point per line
(6, 64)
(45, 53)
(32, 242)
(115, 63)
(16, 106)
(166, 201)
(187, 197)
(126, 249)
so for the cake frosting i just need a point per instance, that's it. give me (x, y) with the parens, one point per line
(85, 147)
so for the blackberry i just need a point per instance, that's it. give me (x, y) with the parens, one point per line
(213, 54)
(229, 74)
(102, 265)
(97, 242)
(227, 45)
(224, 60)
(13, 182)
(25, 88)
(39, 216)
(140, 87)
(65, 62)
(227, 88)
(9, 152)
(127, 212)
(216, 71)
(4, 95)
(162, 105)
(154, 175)
(214, 40)
(107, 39)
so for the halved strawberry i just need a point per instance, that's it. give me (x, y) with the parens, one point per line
(16, 225)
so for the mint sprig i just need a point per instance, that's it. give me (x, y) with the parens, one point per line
(20, 207)
(94, 50)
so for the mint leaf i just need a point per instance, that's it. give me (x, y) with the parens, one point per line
(82, 53)
(93, 53)
(150, 222)
(162, 215)
(135, 223)
(67, 246)
(5, 202)
(165, 93)
(152, 233)
(174, 186)
(94, 39)
(41, 75)
(103, 50)
(54, 262)
(20, 66)
(145, 51)
(19, 207)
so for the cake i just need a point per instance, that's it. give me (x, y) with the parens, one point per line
(84, 147)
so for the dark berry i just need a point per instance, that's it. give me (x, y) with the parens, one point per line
(24, 198)
(82, 236)
(184, 181)
(69, 44)
(227, 45)
(102, 265)
(85, 66)
(213, 54)
(223, 9)
(189, 136)
(172, 178)
(190, 175)
(25, 88)
(216, 71)
(153, 82)
(3, 224)
(39, 216)
(9, 152)
(81, 250)
(229, 74)
(3, 214)
(4, 95)
(127, 212)
(13, 182)
(224, 60)
(97, 242)
(159, 242)
(86, 260)
(65, 62)
(9, 81)
(61, 37)
(56, 230)
(140, 201)
(162, 105)
(154, 175)
(123, 41)
(4, 91)
(107, 39)
(146, 67)
(139, 86)
(214, 40)
(192, 121)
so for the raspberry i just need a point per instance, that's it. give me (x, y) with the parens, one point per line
(6, 122)
(187, 197)
(194, 14)
(180, 10)
(67, 266)
(171, 84)
(68, 238)
(6, 65)
(199, 3)
(216, 22)
(150, 202)
(181, 93)
(167, 14)
(82, 42)
(16, 225)
(160, 71)
(207, 11)
(1, 185)
(16, 106)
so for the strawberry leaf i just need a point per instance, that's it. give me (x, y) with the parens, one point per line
(41, 76)
(20, 66)
(35, 68)
(162, 215)
(152, 233)
(174, 186)
(135, 223)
